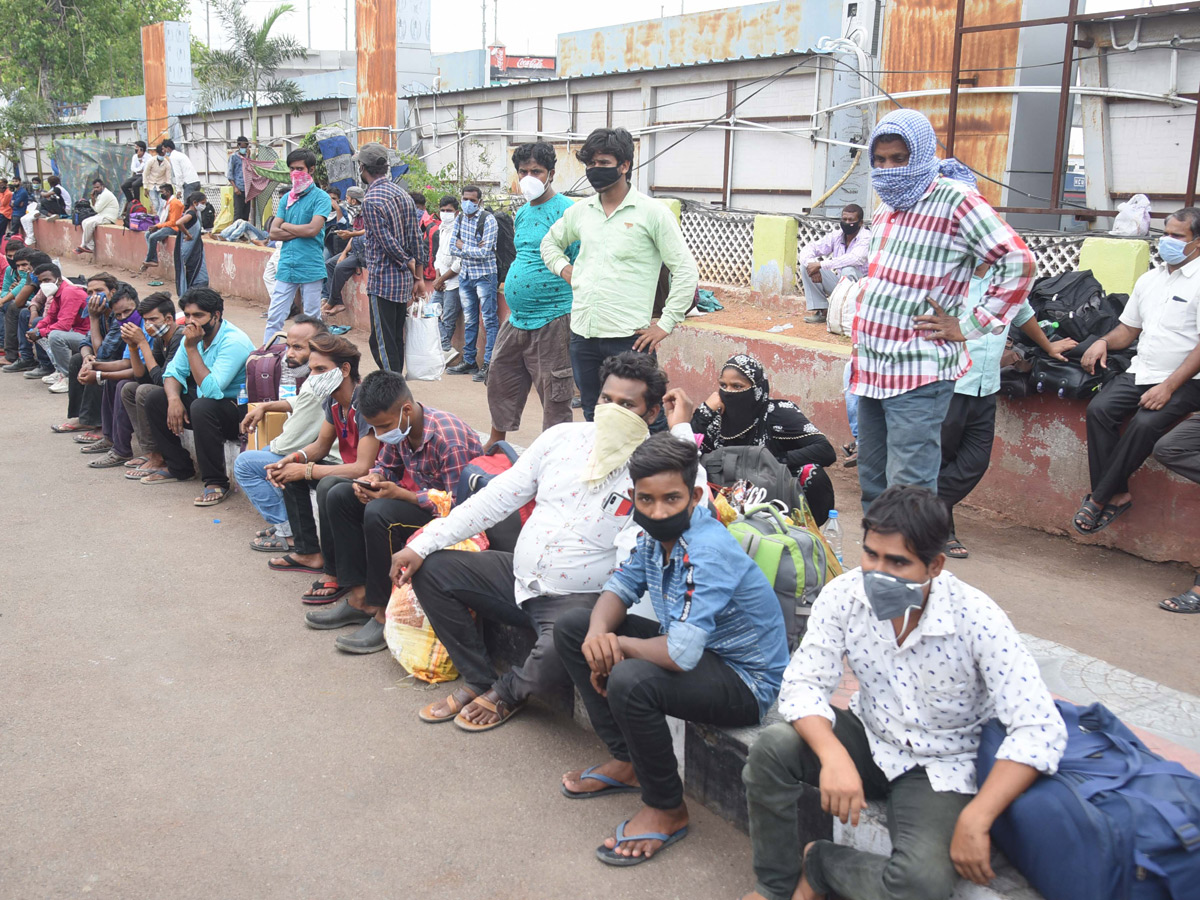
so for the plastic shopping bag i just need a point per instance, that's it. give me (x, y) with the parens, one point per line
(409, 636)
(423, 356)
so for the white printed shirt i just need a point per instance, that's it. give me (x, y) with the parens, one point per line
(568, 545)
(925, 703)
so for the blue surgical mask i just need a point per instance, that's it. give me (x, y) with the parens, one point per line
(470, 207)
(395, 436)
(891, 597)
(1172, 250)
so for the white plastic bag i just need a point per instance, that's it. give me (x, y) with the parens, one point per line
(423, 357)
(1134, 217)
(839, 318)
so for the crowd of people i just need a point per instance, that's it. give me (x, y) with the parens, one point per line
(359, 487)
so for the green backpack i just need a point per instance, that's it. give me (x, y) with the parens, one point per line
(795, 559)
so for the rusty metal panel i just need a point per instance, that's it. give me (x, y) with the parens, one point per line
(919, 39)
(154, 74)
(740, 32)
(375, 32)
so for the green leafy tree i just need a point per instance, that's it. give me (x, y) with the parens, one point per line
(246, 71)
(21, 113)
(67, 51)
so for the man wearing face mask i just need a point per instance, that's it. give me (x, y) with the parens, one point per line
(305, 413)
(447, 267)
(533, 346)
(155, 174)
(343, 267)
(299, 225)
(935, 659)
(107, 211)
(64, 324)
(1162, 383)
(578, 474)
(473, 241)
(840, 254)
(235, 175)
(926, 243)
(111, 375)
(151, 349)
(625, 238)
(200, 388)
(183, 171)
(423, 449)
(714, 653)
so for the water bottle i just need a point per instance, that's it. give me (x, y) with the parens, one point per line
(287, 390)
(243, 397)
(832, 532)
(1048, 323)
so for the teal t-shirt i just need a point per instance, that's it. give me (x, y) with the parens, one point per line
(303, 259)
(535, 295)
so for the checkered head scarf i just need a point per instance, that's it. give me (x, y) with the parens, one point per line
(902, 187)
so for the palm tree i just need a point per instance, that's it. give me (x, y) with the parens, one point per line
(246, 71)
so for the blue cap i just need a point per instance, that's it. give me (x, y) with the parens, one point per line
(833, 514)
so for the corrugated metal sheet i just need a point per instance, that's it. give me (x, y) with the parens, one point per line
(919, 38)
(375, 32)
(743, 32)
(154, 74)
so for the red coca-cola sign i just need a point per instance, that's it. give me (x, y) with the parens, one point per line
(531, 62)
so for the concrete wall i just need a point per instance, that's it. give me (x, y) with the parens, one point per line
(1039, 471)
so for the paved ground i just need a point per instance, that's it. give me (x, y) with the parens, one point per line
(171, 728)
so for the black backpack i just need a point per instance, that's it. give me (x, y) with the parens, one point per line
(506, 246)
(1076, 302)
(82, 210)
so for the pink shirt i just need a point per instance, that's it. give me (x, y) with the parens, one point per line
(66, 311)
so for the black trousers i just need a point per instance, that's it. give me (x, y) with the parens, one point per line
(1114, 456)
(297, 500)
(213, 422)
(587, 355)
(83, 400)
(337, 274)
(387, 333)
(11, 324)
(1179, 450)
(453, 583)
(967, 437)
(241, 208)
(130, 187)
(632, 719)
(364, 537)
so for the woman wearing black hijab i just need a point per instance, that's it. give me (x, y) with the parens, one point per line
(743, 413)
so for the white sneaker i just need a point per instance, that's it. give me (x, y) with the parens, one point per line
(53, 378)
(451, 355)
(60, 387)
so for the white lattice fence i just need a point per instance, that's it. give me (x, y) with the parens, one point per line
(722, 244)
(811, 228)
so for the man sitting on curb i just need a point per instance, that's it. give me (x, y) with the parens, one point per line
(716, 653)
(151, 349)
(424, 449)
(1179, 451)
(577, 473)
(64, 324)
(935, 659)
(303, 424)
(840, 254)
(200, 388)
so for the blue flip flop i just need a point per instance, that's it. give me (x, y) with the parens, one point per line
(613, 786)
(613, 858)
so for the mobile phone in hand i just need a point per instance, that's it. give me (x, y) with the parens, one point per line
(367, 485)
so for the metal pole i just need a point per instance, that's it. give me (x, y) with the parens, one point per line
(955, 71)
(496, 21)
(207, 27)
(483, 29)
(308, 22)
(1191, 182)
(347, 24)
(1064, 95)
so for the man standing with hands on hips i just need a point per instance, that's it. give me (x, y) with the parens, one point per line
(624, 240)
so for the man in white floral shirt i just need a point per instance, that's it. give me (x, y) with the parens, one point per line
(935, 659)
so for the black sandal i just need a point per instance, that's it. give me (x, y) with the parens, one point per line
(1110, 514)
(955, 549)
(1088, 515)
(1185, 603)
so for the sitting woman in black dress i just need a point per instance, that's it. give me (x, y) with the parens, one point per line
(743, 413)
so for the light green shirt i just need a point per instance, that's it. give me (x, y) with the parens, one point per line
(303, 426)
(616, 273)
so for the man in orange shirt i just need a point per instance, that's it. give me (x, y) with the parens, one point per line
(5, 206)
(168, 228)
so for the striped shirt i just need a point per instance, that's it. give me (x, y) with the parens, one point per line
(478, 252)
(930, 251)
(710, 596)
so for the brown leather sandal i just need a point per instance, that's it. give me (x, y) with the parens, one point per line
(492, 703)
(455, 701)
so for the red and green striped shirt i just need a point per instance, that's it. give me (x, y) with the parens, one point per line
(929, 251)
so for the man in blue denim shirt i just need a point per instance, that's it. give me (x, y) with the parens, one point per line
(716, 654)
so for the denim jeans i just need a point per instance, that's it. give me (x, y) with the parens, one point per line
(241, 228)
(451, 305)
(250, 469)
(153, 239)
(587, 355)
(281, 304)
(26, 347)
(900, 439)
(478, 296)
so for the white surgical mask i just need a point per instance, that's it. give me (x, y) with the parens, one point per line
(532, 188)
(448, 218)
(49, 288)
(200, 206)
(325, 383)
(395, 436)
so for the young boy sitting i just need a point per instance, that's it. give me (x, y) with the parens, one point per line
(935, 659)
(715, 655)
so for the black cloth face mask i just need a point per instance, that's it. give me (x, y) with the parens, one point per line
(600, 177)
